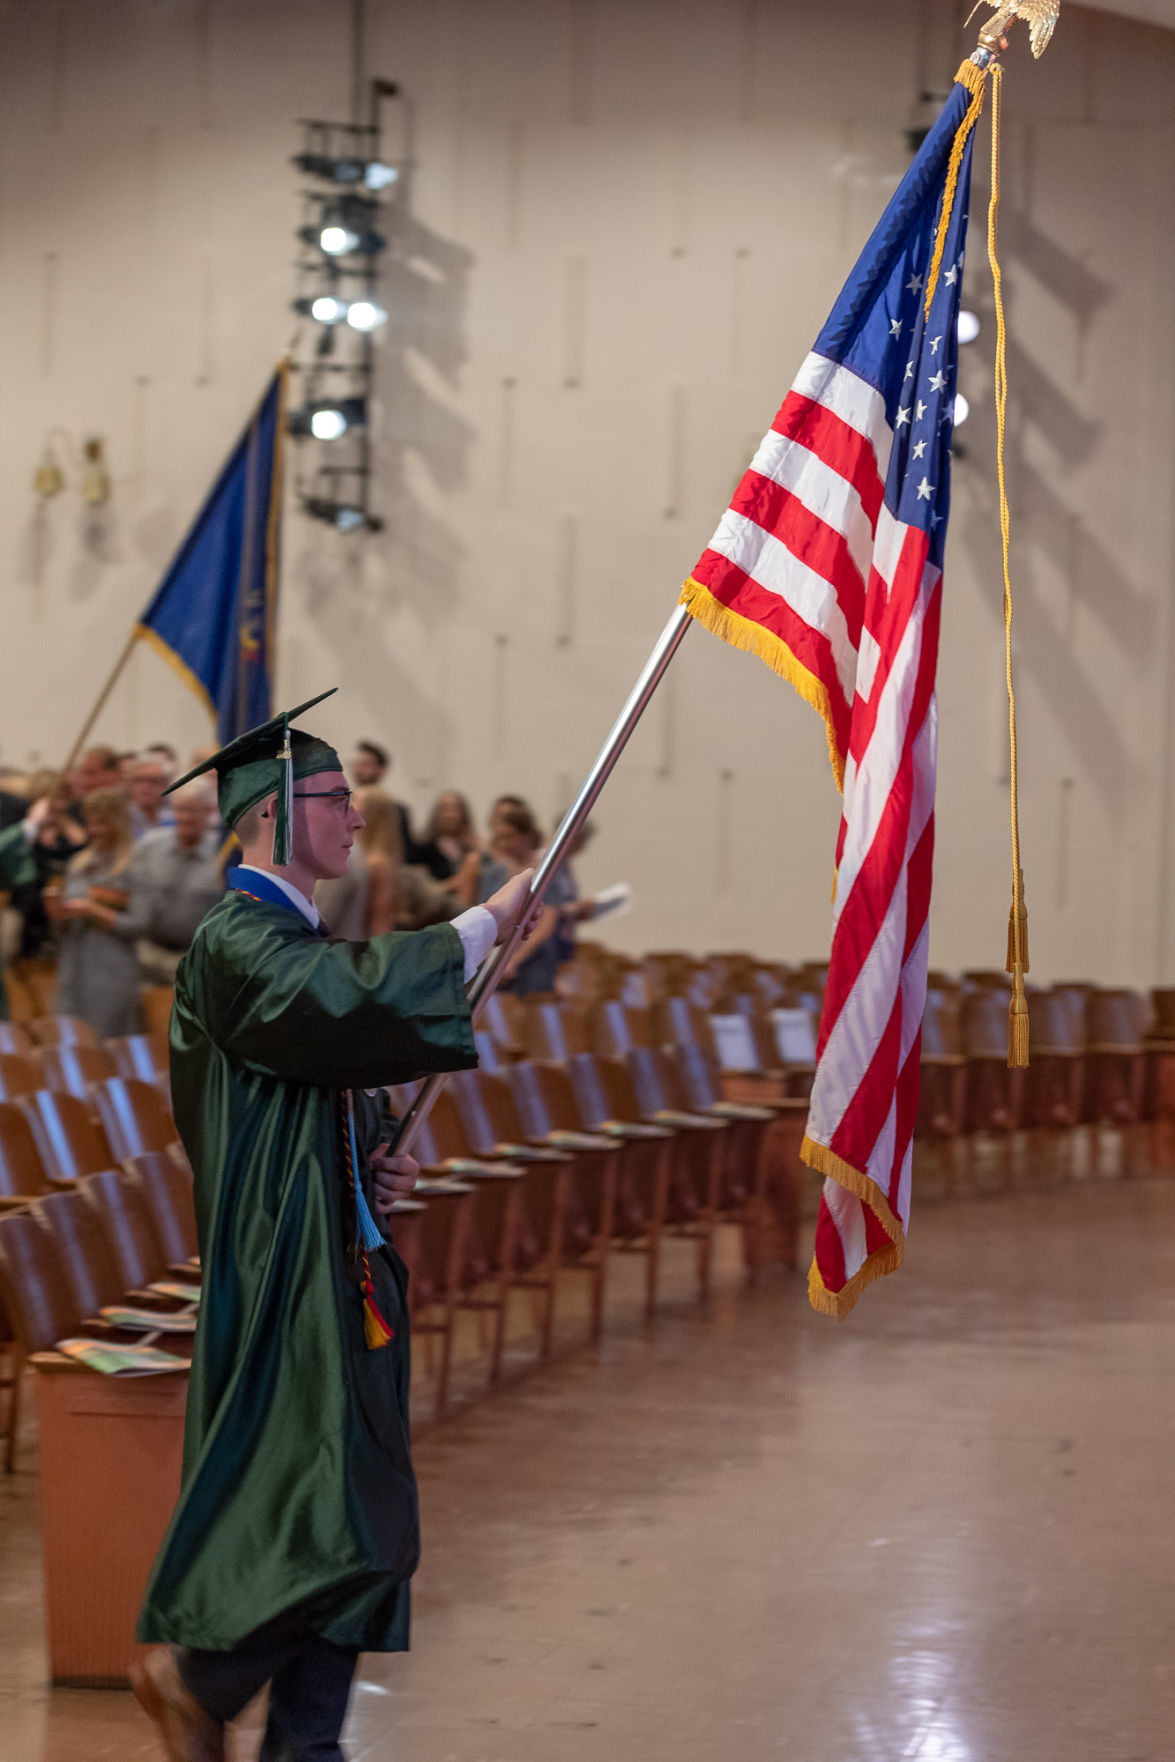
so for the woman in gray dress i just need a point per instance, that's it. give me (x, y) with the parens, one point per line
(98, 969)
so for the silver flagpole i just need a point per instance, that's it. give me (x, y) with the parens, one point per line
(493, 971)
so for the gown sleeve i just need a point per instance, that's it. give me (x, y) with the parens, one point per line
(334, 1014)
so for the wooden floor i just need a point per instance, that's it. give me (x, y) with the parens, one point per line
(941, 1530)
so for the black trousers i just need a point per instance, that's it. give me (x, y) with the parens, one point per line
(309, 1681)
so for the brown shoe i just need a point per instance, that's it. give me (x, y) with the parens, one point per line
(189, 1734)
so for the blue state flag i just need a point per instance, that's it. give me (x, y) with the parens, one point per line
(214, 616)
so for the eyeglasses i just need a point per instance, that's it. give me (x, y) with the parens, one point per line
(342, 796)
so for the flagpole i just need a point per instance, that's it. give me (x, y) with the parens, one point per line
(494, 969)
(94, 714)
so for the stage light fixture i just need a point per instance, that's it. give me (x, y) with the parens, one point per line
(328, 424)
(323, 308)
(343, 516)
(365, 315)
(338, 241)
(968, 327)
(962, 409)
(378, 176)
(328, 419)
(373, 174)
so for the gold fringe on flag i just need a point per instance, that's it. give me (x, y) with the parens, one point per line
(974, 79)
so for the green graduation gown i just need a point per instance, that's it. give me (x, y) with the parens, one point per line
(297, 1481)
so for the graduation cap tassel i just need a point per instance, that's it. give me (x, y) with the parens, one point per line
(283, 823)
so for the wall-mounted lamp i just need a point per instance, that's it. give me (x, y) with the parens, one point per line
(49, 478)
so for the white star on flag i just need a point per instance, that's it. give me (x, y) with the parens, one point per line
(903, 416)
(909, 374)
(895, 327)
(924, 489)
(917, 450)
(951, 276)
(914, 285)
(920, 411)
(934, 342)
(938, 381)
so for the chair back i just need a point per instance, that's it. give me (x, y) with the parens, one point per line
(1052, 1025)
(530, 1098)
(503, 1018)
(1162, 1003)
(655, 1081)
(144, 1056)
(134, 1114)
(488, 1056)
(85, 1248)
(119, 1203)
(19, 1075)
(14, 1037)
(22, 1173)
(34, 1290)
(488, 1110)
(71, 1142)
(554, 1031)
(167, 1190)
(696, 1078)
(1117, 1019)
(62, 1031)
(940, 1027)
(681, 1023)
(73, 1065)
(983, 1021)
(156, 1002)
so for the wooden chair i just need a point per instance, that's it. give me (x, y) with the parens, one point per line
(139, 1255)
(1055, 1080)
(167, 1190)
(615, 1027)
(62, 1031)
(489, 1056)
(144, 1056)
(499, 1249)
(32, 986)
(14, 1037)
(503, 1019)
(695, 1187)
(22, 1173)
(437, 1269)
(71, 1142)
(490, 1118)
(994, 1094)
(19, 1075)
(942, 1093)
(1115, 1023)
(554, 1031)
(71, 1066)
(87, 1255)
(546, 1107)
(36, 1300)
(134, 1114)
(602, 1088)
(155, 1002)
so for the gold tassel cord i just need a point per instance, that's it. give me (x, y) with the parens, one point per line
(1017, 964)
(974, 78)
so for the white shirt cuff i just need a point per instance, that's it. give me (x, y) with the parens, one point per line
(478, 930)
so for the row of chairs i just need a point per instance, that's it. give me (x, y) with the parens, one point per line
(527, 1176)
(70, 1251)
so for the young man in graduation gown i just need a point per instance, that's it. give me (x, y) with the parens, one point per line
(296, 1531)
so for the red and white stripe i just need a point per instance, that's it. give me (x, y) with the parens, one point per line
(809, 552)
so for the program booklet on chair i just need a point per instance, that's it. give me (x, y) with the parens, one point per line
(121, 1361)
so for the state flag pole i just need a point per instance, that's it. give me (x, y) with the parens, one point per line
(493, 971)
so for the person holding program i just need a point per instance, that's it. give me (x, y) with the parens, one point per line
(296, 1532)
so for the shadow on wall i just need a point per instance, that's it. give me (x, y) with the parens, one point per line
(1046, 525)
(355, 584)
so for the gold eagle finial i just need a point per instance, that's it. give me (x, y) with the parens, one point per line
(1039, 15)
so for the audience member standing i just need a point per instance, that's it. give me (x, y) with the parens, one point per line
(50, 834)
(175, 877)
(515, 847)
(98, 768)
(449, 848)
(98, 971)
(147, 781)
(383, 859)
(367, 770)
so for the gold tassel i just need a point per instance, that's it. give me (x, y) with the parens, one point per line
(1018, 1023)
(1018, 946)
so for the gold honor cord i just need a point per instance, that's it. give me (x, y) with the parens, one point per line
(1017, 960)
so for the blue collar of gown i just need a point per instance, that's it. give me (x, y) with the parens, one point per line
(255, 884)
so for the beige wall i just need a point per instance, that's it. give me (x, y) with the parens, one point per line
(633, 216)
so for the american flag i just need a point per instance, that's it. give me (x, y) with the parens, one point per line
(828, 564)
